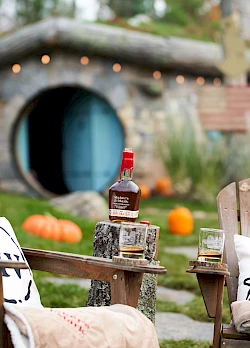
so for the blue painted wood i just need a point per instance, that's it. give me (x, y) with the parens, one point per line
(93, 142)
(23, 146)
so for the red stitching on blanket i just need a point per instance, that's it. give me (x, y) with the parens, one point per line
(72, 320)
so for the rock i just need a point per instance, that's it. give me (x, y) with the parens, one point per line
(180, 297)
(87, 204)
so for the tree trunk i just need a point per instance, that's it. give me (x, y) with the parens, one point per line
(243, 8)
(228, 9)
(106, 241)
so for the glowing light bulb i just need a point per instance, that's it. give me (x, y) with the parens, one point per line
(157, 75)
(200, 80)
(45, 59)
(180, 79)
(84, 60)
(16, 68)
(217, 81)
(117, 67)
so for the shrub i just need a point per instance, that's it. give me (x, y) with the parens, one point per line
(196, 165)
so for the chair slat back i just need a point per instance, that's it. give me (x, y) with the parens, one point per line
(244, 205)
(228, 220)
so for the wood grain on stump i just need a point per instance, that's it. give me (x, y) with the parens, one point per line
(196, 266)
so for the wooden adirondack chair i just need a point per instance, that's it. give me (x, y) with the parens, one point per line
(233, 207)
(125, 281)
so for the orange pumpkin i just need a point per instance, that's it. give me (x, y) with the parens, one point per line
(145, 191)
(49, 227)
(180, 221)
(163, 186)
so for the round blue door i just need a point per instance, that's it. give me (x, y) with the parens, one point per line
(76, 145)
(92, 143)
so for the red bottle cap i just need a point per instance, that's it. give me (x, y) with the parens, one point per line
(145, 222)
(127, 160)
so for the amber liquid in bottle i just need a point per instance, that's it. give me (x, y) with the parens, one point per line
(124, 195)
(124, 200)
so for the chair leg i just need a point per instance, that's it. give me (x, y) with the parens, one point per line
(125, 287)
(218, 316)
(212, 289)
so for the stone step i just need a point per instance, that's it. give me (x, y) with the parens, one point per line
(189, 251)
(175, 326)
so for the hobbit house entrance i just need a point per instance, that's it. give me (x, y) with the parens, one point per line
(68, 139)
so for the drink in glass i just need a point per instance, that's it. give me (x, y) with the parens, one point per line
(132, 240)
(211, 245)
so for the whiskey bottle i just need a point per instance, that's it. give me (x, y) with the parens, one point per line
(124, 195)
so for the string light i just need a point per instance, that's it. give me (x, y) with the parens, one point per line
(16, 68)
(45, 59)
(217, 81)
(84, 60)
(200, 80)
(180, 79)
(117, 67)
(157, 75)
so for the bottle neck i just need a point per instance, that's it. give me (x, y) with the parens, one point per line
(126, 174)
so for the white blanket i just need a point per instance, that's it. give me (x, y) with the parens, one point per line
(116, 326)
(241, 315)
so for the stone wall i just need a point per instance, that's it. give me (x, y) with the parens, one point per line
(142, 104)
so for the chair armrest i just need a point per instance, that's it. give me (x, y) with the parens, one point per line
(12, 264)
(125, 280)
(83, 266)
(211, 279)
(212, 268)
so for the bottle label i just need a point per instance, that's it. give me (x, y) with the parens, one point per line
(124, 213)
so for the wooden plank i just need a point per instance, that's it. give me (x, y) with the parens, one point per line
(12, 264)
(224, 124)
(226, 111)
(244, 203)
(205, 267)
(77, 265)
(229, 331)
(234, 343)
(209, 286)
(224, 128)
(233, 116)
(125, 288)
(228, 220)
(218, 313)
(230, 120)
(129, 261)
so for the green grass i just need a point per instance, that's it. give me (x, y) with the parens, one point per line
(16, 208)
(205, 31)
(61, 296)
(184, 344)
(157, 209)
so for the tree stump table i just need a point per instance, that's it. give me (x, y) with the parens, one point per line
(106, 242)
